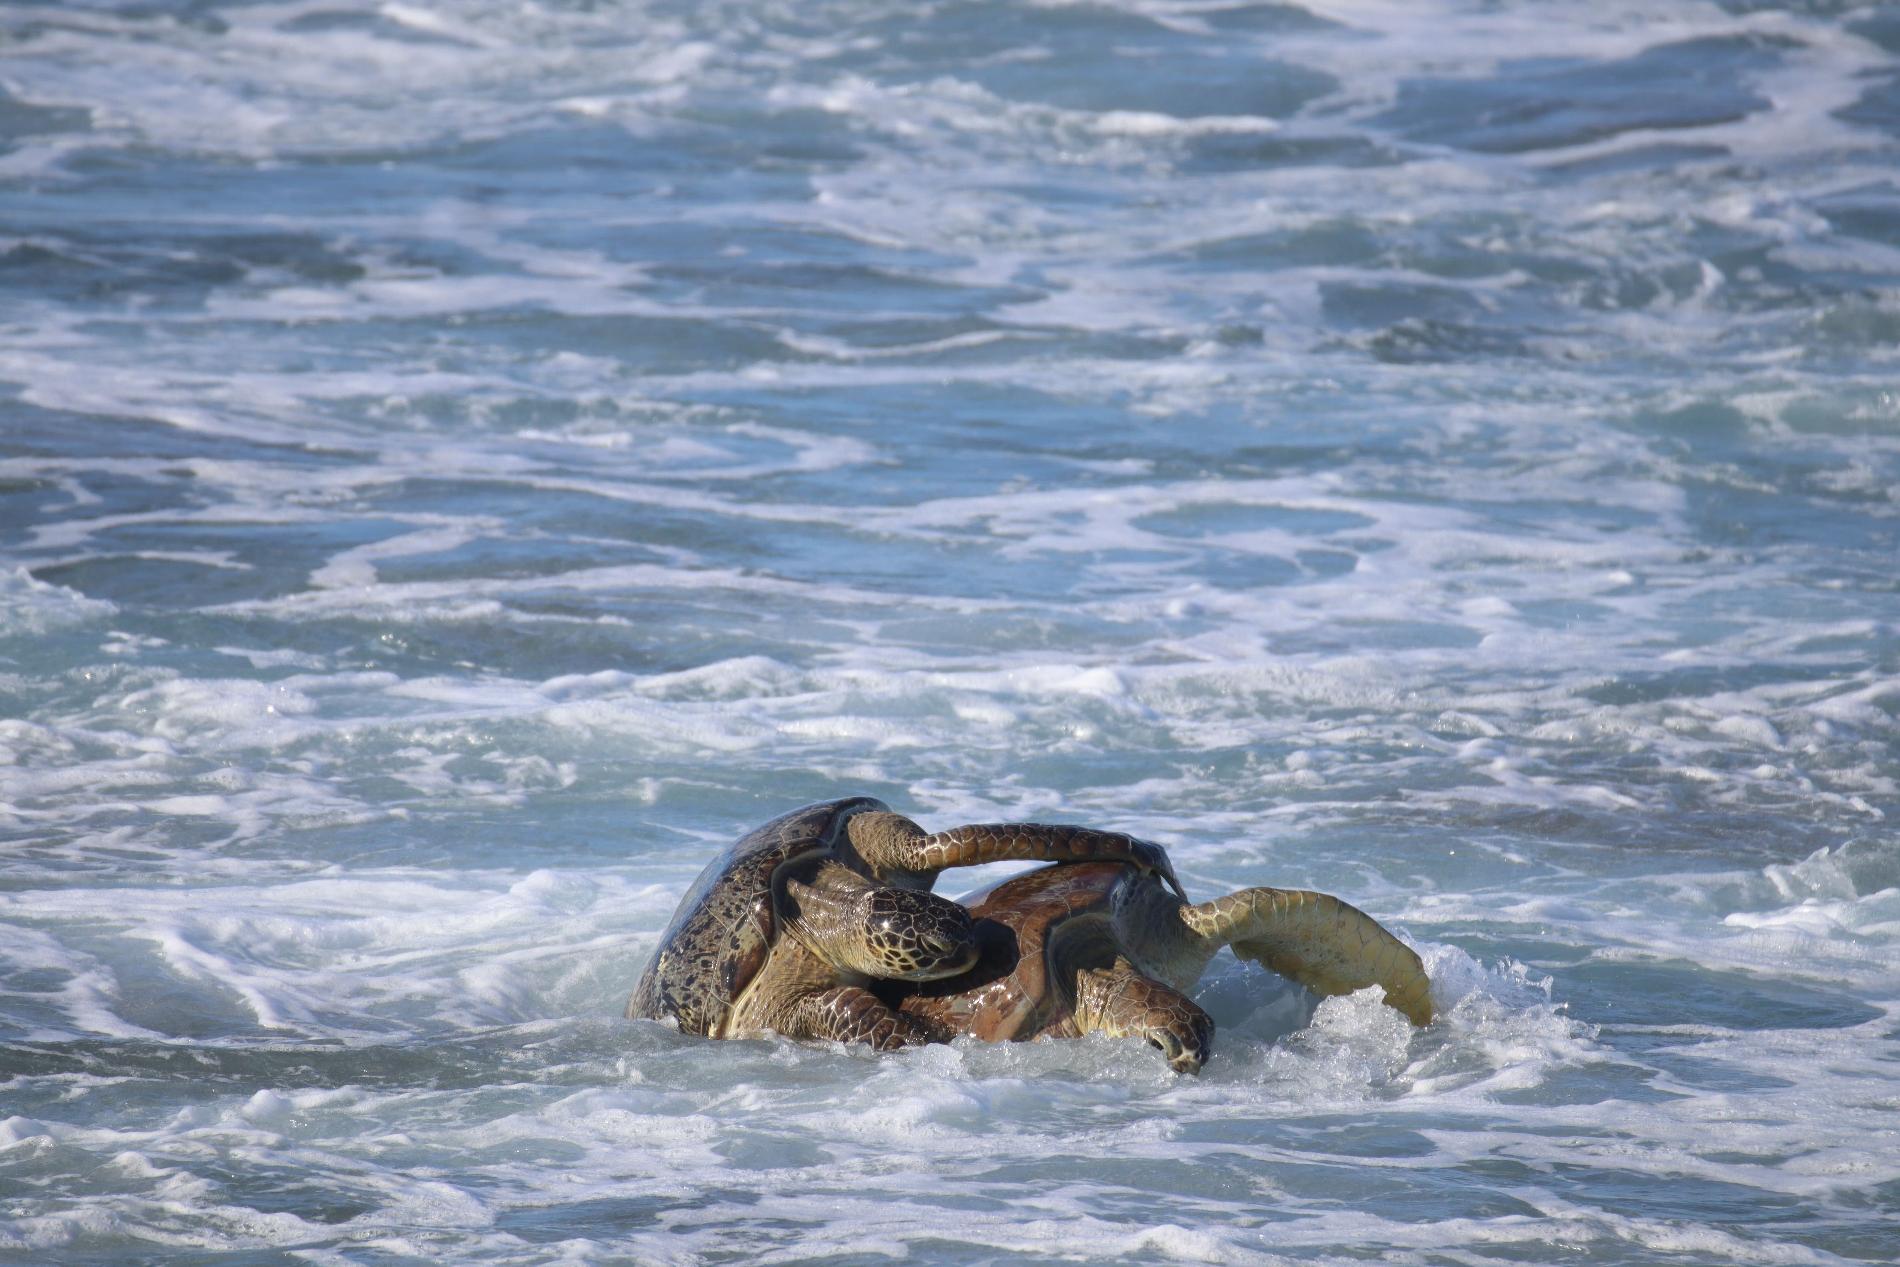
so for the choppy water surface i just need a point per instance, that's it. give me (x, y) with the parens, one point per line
(461, 463)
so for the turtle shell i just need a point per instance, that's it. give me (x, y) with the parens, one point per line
(1009, 993)
(724, 929)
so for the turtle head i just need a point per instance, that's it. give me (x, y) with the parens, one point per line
(889, 933)
(874, 930)
(912, 936)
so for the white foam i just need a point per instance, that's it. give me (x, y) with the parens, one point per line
(355, 568)
(34, 608)
(346, 956)
(1088, 500)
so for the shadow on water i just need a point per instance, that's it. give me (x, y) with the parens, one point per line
(606, 1217)
(1675, 992)
(1548, 103)
(578, 1053)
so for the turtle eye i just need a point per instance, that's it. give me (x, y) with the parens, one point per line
(916, 936)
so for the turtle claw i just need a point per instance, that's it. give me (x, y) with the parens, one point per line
(1154, 860)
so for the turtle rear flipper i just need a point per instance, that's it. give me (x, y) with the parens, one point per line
(1318, 941)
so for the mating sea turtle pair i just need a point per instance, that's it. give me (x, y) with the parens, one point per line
(820, 925)
(1100, 947)
(784, 930)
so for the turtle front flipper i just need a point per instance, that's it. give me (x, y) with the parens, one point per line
(891, 843)
(1118, 1000)
(1318, 941)
(851, 1014)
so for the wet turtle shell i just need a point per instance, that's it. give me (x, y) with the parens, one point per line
(1014, 991)
(1139, 949)
(725, 927)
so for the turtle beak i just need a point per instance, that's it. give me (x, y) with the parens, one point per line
(949, 954)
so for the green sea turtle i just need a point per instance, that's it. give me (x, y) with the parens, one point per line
(785, 929)
(1102, 947)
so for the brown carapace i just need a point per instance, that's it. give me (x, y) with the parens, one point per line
(1100, 947)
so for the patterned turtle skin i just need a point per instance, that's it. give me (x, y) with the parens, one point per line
(1065, 951)
(784, 931)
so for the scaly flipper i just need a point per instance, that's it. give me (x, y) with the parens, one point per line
(1317, 940)
(891, 843)
(848, 1014)
(1120, 1001)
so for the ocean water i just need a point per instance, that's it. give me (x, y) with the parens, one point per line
(462, 462)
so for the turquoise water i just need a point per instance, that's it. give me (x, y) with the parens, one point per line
(462, 463)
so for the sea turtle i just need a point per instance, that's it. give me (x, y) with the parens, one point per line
(784, 930)
(1102, 947)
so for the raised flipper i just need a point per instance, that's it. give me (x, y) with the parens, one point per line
(1317, 940)
(891, 843)
(1120, 1001)
(848, 1014)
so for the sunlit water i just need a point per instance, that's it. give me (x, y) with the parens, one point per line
(463, 463)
